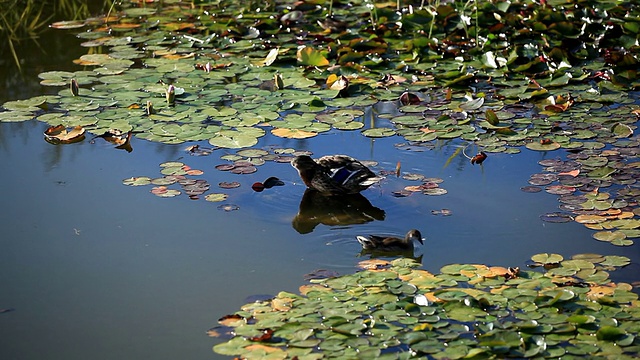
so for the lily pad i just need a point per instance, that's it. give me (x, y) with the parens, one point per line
(546, 314)
(546, 258)
(233, 139)
(137, 181)
(543, 146)
(293, 133)
(216, 197)
(378, 132)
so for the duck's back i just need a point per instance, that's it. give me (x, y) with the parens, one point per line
(348, 172)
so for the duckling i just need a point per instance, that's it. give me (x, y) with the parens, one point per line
(334, 174)
(390, 243)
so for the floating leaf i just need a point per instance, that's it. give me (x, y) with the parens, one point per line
(622, 130)
(610, 333)
(546, 258)
(615, 260)
(60, 135)
(378, 132)
(137, 181)
(473, 104)
(163, 191)
(234, 139)
(216, 197)
(609, 236)
(69, 24)
(335, 82)
(15, 116)
(271, 57)
(543, 146)
(293, 133)
(602, 172)
(491, 117)
(311, 57)
(32, 104)
(590, 219)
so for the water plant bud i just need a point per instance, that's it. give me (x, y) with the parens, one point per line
(74, 87)
(171, 94)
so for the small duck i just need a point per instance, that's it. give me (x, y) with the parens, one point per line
(334, 174)
(390, 243)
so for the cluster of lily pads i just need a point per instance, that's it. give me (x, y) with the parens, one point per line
(222, 72)
(583, 179)
(428, 186)
(394, 310)
(242, 162)
(176, 172)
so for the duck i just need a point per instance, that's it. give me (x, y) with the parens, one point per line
(390, 243)
(334, 174)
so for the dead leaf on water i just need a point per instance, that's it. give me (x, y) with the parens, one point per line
(60, 135)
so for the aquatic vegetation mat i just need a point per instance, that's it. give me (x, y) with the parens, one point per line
(583, 179)
(500, 74)
(393, 310)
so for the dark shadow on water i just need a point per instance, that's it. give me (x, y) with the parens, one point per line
(317, 208)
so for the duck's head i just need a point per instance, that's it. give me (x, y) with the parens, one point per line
(414, 234)
(303, 162)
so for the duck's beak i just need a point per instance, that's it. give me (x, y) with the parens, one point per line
(421, 240)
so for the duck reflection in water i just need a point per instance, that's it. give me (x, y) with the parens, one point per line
(318, 208)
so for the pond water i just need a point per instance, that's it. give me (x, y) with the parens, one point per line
(96, 269)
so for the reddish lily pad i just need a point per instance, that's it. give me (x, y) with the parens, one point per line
(229, 185)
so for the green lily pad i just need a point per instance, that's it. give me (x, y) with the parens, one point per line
(610, 236)
(546, 258)
(348, 125)
(610, 333)
(137, 181)
(622, 130)
(538, 146)
(233, 139)
(32, 104)
(378, 132)
(216, 197)
(615, 260)
(15, 116)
